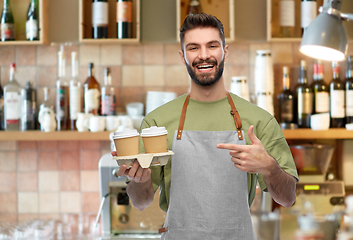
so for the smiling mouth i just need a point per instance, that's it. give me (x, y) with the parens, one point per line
(205, 67)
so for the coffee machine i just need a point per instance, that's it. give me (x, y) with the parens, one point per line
(119, 218)
(312, 161)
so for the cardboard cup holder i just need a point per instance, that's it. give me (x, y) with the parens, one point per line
(145, 159)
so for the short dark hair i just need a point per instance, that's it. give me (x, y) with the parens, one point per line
(201, 20)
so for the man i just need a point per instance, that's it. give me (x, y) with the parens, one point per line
(209, 184)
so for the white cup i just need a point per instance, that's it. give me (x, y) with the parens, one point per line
(320, 121)
(111, 123)
(80, 122)
(124, 122)
(137, 120)
(95, 123)
(134, 109)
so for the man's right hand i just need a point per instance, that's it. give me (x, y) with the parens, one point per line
(135, 173)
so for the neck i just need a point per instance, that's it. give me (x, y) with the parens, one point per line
(209, 93)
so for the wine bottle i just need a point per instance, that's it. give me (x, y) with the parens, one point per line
(62, 95)
(75, 92)
(1, 108)
(100, 19)
(124, 19)
(29, 107)
(194, 7)
(7, 24)
(308, 13)
(92, 92)
(108, 95)
(12, 102)
(287, 18)
(32, 23)
(285, 100)
(349, 90)
(47, 103)
(321, 90)
(337, 108)
(304, 98)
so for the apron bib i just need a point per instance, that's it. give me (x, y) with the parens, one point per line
(208, 194)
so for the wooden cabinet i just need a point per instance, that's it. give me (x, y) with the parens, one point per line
(85, 23)
(19, 10)
(222, 9)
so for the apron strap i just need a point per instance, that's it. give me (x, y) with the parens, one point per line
(233, 111)
(182, 117)
(236, 116)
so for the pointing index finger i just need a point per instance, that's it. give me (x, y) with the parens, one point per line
(229, 146)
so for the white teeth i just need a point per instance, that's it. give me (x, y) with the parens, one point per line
(205, 66)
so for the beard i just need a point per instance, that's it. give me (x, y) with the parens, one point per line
(206, 79)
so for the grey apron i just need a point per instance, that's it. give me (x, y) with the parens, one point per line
(208, 194)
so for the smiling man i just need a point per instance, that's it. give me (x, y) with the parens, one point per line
(222, 144)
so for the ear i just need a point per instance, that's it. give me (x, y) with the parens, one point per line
(182, 56)
(226, 49)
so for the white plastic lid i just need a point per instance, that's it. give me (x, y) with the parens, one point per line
(153, 131)
(127, 132)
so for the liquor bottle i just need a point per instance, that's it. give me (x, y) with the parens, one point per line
(304, 98)
(321, 90)
(62, 95)
(32, 23)
(92, 92)
(7, 24)
(12, 102)
(1, 108)
(124, 19)
(337, 108)
(287, 18)
(349, 89)
(108, 95)
(29, 107)
(285, 100)
(47, 103)
(308, 13)
(75, 92)
(100, 19)
(194, 7)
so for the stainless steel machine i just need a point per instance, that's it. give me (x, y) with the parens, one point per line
(119, 218)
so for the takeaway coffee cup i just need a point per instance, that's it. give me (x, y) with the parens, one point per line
(126, 142)
(154, 139)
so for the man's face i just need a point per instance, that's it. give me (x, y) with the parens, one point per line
(204, 55)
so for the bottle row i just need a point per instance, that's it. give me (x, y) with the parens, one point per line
(7, 22)
(335, 98)
(19, 109)
(100, 18)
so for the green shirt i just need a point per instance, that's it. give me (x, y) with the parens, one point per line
(215, 116)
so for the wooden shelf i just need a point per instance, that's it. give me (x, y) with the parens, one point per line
(37, 135)
(19, 11)
(334, 133)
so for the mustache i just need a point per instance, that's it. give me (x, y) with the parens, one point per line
(206, 61)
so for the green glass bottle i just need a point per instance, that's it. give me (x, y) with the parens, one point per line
(32, 23)
(7, 24)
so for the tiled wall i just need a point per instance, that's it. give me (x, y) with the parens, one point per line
(47, 179)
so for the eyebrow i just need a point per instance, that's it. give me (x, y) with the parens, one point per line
(211, 42)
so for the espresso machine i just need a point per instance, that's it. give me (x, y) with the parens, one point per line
(119, 218)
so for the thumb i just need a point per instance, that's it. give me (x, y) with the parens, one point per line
(252, 135)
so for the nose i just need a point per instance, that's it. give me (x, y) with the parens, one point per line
(204, 53)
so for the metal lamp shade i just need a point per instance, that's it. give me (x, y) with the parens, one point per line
(325, 39)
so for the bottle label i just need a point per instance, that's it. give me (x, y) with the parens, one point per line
(12, 107)
(349, 103)
(287, 111)
(322, 102)
(31, 29)
(337, 104)
(308, 13)
(75, 101)
(108, 105)
(305, 103)
(7, 30)
(100, 14)
(124, 12)
(287, 13)
(92, 101)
